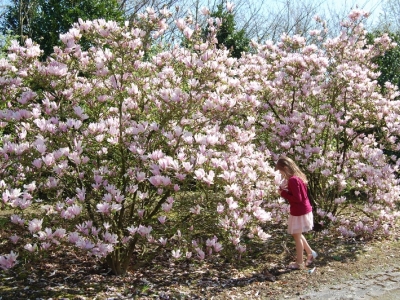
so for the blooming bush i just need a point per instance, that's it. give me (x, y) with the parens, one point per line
(323, 107)
(121, 148)
(101, 146)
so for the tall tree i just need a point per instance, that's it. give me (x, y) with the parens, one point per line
(228, 36)
(389, 18)
(389, 63)
(18, 16)
(44, 20)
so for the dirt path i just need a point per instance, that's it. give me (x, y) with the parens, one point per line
(379, 284)
(376, 277)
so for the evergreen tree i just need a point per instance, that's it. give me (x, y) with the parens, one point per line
(234, 40)
(389, 63)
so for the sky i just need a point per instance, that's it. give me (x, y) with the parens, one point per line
(373, 6)
(366, 4)
(333, 10)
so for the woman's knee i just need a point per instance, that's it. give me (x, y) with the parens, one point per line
(297, 236)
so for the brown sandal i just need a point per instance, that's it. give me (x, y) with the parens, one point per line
(295, 266)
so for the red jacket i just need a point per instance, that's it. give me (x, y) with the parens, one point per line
(297, 197)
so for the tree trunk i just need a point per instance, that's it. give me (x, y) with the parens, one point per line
(118, 261)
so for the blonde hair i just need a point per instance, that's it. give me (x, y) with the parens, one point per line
(289, 167)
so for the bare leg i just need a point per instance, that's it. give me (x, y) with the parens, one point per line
(299, 247)
(306, 246)
(311, 255)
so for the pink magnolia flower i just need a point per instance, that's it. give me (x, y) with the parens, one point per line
(195, 210)
(188, 32)
(209, 178)
(107, 197)
(45, 245)
(176, 253)
(235, 240)
(104, 208)
(106, 225)
(200, 174)
(132, 230)
(166, 206)
(143, 230)
(225, 223)
(14, 194)
(30, 247)
(180, 23)
(59, 233)
(233, 189)
(75, 209)
(151, 239)
(80, 113)
(30, 187)
(232, 204)
(95, 231)
(119, 197)
(48, 159)
(211, 242)
(229, 6)
(8, 261)
(241, 248)
(81, 194)
(187, 166)
(125, 240)
(17, 220)
(200, 254)
(220, 208)
(218, 247)
(73, 237)
(84, 244)
(262, 215)
(14, 239)
(35, 225)
(102, 249)
(205, 11)
(163, 241)
(140, 213)
(263, 235)
(240, 222)
(159, 180)
(110, 238)
(116, 207)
